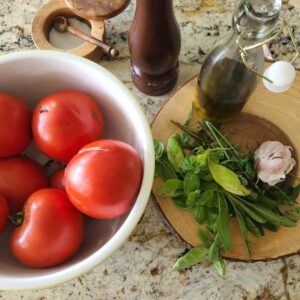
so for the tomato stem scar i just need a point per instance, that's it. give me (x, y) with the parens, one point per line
(17, 219)
(43, 109)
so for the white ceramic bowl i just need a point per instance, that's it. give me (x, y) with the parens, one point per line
(34, 74)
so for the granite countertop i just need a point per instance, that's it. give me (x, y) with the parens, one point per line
(141, 268)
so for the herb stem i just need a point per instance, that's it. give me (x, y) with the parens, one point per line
(215, 131)
(294, 176)
(217, 139)
(191, 133)
(189, 118)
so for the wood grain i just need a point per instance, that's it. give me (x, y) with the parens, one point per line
(97, 9)
(267, 116)
(43, 22)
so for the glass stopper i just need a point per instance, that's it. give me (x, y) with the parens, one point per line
(256, 19)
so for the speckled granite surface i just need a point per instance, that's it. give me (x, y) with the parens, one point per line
(141, 269)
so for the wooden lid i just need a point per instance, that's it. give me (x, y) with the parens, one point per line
(97, 9)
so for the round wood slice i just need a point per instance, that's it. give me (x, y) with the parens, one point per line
(97, 9)
(267, 116)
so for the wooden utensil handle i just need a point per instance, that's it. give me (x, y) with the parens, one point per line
(106, 48)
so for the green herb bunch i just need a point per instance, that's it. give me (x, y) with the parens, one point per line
(203, 172)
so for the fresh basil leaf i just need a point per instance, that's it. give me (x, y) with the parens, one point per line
(165, 192)
(207, 198)
(227, 179)
(206, 177)
(158, 149)
(211, 217)
(171, 188)
(215, 156)
(187, 164)
(198, 150)
(184, 139)
(199, 213)
(193, 257)
(190, 164)
(202, 158)
(164, 170)
(193, 198)
(174, 184)
(219, 265)
(191, 183)
(175, 153)
(180, 202)
(209, 186)
(223, 223)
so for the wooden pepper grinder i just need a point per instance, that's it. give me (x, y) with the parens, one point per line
(154, 45)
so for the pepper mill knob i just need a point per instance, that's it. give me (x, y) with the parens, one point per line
(154, 45)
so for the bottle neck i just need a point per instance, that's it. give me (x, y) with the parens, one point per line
(256, 19)
(232, 50)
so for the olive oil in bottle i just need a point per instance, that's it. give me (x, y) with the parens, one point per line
(226, 82)
(222, 94)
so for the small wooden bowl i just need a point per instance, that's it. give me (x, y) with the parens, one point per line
(44, 19)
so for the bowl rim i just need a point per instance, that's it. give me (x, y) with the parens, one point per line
(120, 237)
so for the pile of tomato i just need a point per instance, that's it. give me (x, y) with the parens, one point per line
(100, 178)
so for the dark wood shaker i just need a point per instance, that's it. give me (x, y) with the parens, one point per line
(154, 45)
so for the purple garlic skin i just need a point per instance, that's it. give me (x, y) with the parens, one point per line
(273, 161)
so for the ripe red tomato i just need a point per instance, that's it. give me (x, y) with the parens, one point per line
(19, 178)
(57, 179)
(65, 121)
(3, 212)
(52, 230)
(103, 179)
(15, 127)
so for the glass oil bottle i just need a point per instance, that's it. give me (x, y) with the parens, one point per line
(225, 81)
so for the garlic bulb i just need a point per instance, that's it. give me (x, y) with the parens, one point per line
(273, 161)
